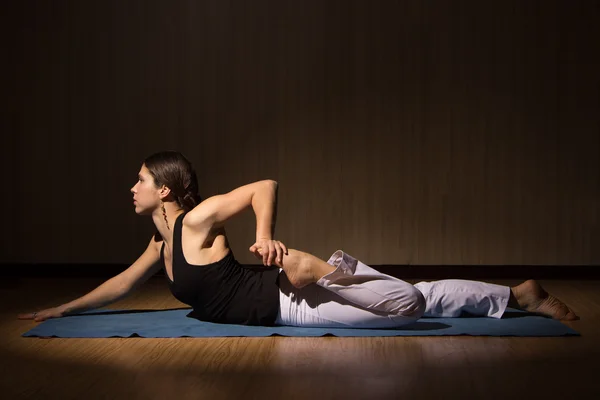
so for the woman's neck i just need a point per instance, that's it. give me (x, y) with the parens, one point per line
(165, 228)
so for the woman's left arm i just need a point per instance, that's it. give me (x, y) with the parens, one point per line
(262, 196)
(264, 204)
(216, 210)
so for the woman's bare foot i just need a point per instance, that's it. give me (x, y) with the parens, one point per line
(530, 296)
(302, 268)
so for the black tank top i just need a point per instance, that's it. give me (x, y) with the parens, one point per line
(223, 291)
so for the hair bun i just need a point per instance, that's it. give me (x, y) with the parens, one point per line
(189, 200)
(172, 169)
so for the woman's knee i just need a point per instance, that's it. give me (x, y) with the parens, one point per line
(416, 305)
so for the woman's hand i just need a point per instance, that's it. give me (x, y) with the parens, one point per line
(269, 251)
(43, 315)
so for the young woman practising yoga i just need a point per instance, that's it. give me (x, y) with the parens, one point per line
(293, 287)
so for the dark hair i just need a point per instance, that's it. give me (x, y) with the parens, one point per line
(172, 169)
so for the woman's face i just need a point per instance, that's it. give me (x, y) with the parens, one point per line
(145, 194)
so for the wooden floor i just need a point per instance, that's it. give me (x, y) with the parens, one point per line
(287, 368)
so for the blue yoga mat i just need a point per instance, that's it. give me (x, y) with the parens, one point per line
(175, 323)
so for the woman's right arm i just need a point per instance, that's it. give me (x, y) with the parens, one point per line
(110, 291)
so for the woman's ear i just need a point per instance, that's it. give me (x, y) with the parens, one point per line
(163, 192)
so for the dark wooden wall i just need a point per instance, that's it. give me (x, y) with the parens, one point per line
(402, 132)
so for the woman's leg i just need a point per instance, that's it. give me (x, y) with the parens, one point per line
(346, 293)
(350, 293)
(450, 297)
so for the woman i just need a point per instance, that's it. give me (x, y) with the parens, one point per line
(300, 290)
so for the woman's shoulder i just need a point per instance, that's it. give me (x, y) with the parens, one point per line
(209, 236)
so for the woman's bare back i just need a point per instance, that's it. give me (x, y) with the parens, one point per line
(199, 248)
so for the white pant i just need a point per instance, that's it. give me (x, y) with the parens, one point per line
(355, 295)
